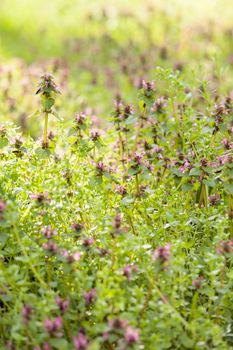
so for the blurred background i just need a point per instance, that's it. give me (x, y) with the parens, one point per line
(100, 49)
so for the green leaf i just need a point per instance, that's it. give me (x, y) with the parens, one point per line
(228, 188)
(195, 172)
(3, 142)
(131, 120)
(59, 343)
(209, 183)
(186, 187)
(56, 115)
(3, 238)
(48, 103)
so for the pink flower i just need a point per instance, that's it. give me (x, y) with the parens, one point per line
(2, 206)
(50, 247)
(80, 341)
(52, 326)
(90, 296)
(225, 247)
(26, 313)
(48, 232)
(197, 282)
(2, 209)
(70, 258)
(88, 242)
(162, 254)
(62, 304)
(127, 271)
(131, 335)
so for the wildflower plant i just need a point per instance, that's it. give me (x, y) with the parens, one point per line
(125, 241)
(47, 90)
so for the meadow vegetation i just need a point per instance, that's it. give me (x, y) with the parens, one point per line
(116, 175)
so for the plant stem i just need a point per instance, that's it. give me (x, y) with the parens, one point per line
(121, 149)
(137, 185)
(45, 127)
(230, 211)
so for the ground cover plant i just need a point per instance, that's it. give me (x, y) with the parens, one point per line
(116, 190)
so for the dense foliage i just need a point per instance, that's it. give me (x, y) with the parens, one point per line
(116, 229)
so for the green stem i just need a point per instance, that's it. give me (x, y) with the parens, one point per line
(203, 196)
(132, 225)
(230, 209)
(137, 185)
(45, 127)
(121, 149)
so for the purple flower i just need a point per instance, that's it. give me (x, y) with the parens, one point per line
(162, 254)
(90, 296)
(117, 223)
(77, 226)
(204, 162)
(87, 242)
(48, 232)
(71, 258)
(41, 197)
(127, 111)
(95, 135)
(131, 335)
(197, 282)
(2, 209)
(214, 199)
(47, 85)
(102, 251)
(10, 345)
(80, 118)
(225, 247)
(137, 158)
(121, 190)
(80, 341)
(26, 313)
(62, 304)
(148, 86)
(101, 167)
(2, 206)
(127, 271)
(51, 247)
(159, 105)
(117, 323)
(52, 326)
(46, 346)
